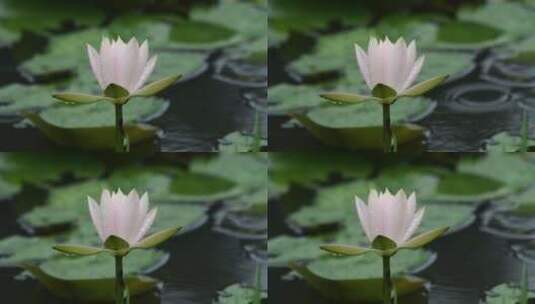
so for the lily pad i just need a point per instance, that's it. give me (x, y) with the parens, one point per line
(91, 290)
(172, 63)
(28, 15)
(187, 216)
(8, 189)
(331, 53)
(46, 219)
(200, 187)
(17, 97)
(201, 35)
(470, 188)
(16, 249)
(102, 265)
(241, 142)
(505, 142)
(92, 126)
(511, 17)
(239, 294)
(310, 168)
(506, 294)
(22, 167)
(421, 28)
(93, 138)
(523, 202)
(512, 170)
(360, 126)
(410, 179)
(331, 206)
(302, 15)
(242, 17)
(74, 195)
(360, 278)
(285, 249)
(143, 179)
(285, 98)
(101, 114)
(230, 166)
(368, 114)
(8, 37)
(469, 35)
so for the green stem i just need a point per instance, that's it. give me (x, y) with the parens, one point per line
(121, 144)
(525, 131)
(387, 281)
(119, 281)
(387, 129)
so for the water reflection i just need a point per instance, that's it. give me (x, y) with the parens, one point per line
(504, 69)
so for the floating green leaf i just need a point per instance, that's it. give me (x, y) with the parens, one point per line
(242, 142)
(510, 17)
(23, 167)
(188, 186)
(359, 278)
(238, 294)
(310, 168)
(93, 138)
(16, 249)
(284, 249)
(17, 97)
(470, 188)
(505, 294)
(505, 142)
(468, 34)
(513, 170)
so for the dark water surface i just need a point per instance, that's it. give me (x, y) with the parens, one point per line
(468, 263)
(202, 262)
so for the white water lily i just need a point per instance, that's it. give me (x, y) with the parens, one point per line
(124, 64)
(125, 216)
(394, 65)
(392, 216)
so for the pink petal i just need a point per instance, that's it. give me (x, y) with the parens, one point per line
(147, 223)
(146, 72)
(414, 224)
(414, 72)
(362, 60)
(94, 60)
(96, 216)
(362, 211)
